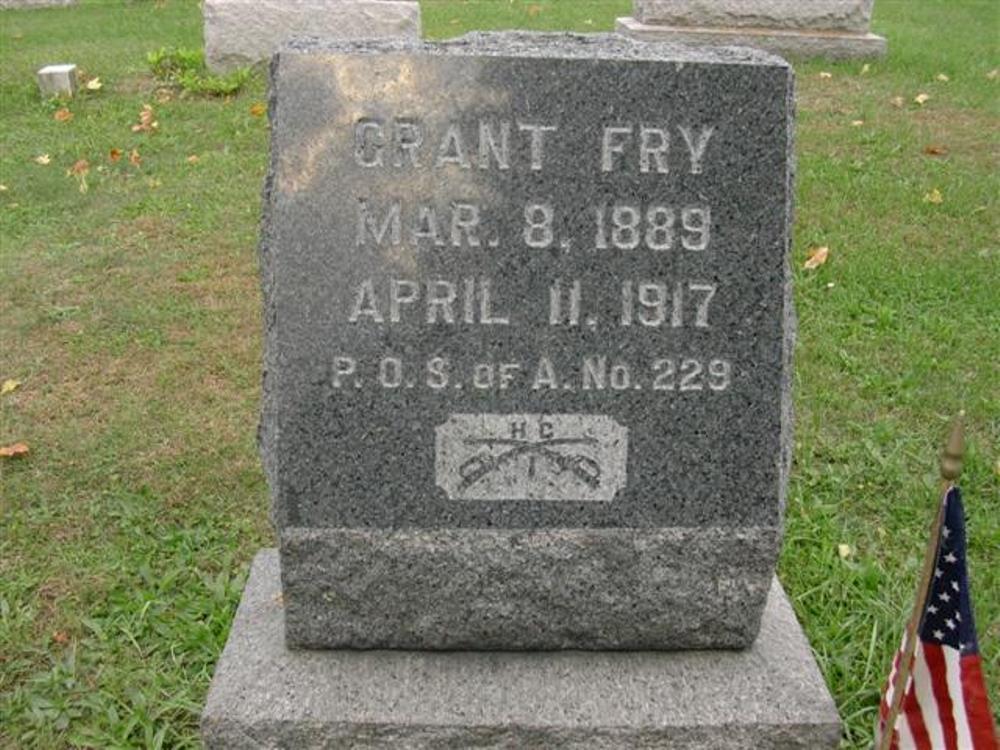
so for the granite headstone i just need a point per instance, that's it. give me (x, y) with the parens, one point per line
(803, 28)
(528, 339)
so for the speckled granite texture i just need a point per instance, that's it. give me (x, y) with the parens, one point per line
(441, 418)
(266, 697)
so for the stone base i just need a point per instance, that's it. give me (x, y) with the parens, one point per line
(794, 43)
(265, 696)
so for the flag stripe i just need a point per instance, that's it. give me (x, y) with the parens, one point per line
(977, 704)
(935, 664)
(915, 722)
(924, 694)
(953, 677)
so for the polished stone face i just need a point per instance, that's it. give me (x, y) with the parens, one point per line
(527, 283)
(527, 341)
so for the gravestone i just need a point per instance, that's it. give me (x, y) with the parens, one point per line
(528, 331)
(239, 33)
(57, 80)
(16, 4)
(807, 28)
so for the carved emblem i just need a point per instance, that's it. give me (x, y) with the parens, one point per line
(531, 457)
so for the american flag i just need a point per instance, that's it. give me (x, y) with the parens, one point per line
(945, 706)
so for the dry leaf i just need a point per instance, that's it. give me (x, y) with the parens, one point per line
(866, 69)
(830, 285)
(817, 257)
(134, 159)
(534, 10)
(94, 84)
(922, 99)
(942, 77)
(897, 101)
(857, 123)
(993, 74)
(60, 637)
(193, 159)
(258, 109)
(147, 121)
(62, 115)
(43, 159)
(80, 168)
(934, 196)
(3, 188)
(115, 154)
(13, 451)
(933, 149)
(825, 74)
(9, 386)
(845, 551)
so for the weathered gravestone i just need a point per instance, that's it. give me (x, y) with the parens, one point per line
(244, 32)
(527, 364)
(809, 28)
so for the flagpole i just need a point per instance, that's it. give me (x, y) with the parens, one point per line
(951, 468)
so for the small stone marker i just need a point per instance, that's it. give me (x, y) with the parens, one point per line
(244, 32)
(528, 333)
(809, 28)
(57, 80)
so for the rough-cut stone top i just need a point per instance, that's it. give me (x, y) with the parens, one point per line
(556, 45)
(826, 15)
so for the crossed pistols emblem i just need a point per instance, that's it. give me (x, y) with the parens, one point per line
(583, 468)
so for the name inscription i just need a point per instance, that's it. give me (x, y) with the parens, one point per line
(390, 226)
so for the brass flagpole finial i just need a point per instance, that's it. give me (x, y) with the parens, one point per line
(951, 458)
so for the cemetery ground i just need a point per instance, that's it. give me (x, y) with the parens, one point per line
(130, 354)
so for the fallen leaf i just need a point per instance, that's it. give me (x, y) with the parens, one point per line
(62, 115)
(81, 167)
(844, 550)
(14, 451)
(932, 149)
(993, 74)
(922, 99)
(866, 69)
(193, 159)
(258, 109)
(147, 122)
(942, 77)
(830, 285)
(9, 386)
(825, 74)
(533, 10)
(115, 154)
(94, 84)
(934, 196)
(134, 159)
(897, 101)
(60, 637)
(3, 188)
(817, 257)
(43, 159)
(857, 123)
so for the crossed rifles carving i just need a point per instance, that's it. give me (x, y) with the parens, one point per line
(584, 468)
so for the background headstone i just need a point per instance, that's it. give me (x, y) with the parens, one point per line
(57, 80)
(244, 32)
(11, 4)
(811, 28)
(528, 338)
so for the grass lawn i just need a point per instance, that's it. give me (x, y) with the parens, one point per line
(130, 315)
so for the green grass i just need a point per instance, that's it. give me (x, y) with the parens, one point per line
(130, 313)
